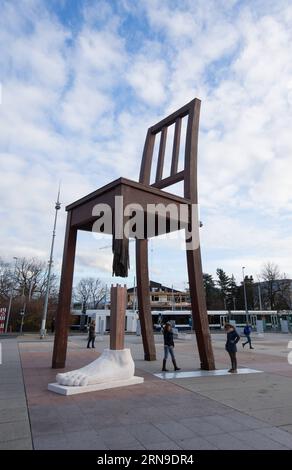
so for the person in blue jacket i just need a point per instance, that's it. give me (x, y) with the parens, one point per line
(232, 339)
(247, 332)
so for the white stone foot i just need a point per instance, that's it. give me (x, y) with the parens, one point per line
(110, 366)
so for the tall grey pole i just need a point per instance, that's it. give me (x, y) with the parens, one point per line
(11, 295)
(260, 296)
(45, 311)
(244, 290)
(105, 299)
(22, 313)
(134, 295)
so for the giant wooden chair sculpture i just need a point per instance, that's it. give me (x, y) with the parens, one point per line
(80, 217)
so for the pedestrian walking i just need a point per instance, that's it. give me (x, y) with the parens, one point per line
(247, 331)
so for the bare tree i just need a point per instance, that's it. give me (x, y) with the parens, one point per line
(276, 289)
(89, 290)
(97, 291)
(31, 276)
(82, 293)
(28, 279)
(5, 280)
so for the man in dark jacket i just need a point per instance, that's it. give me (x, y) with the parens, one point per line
(232, 339)
(168, 347)
(247, 332)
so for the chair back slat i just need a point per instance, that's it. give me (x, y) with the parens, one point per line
(170, 180)
(161, 154)
(189, 173)
(176, 144)
(145, 170)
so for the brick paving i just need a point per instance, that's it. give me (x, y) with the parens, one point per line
(192, 413)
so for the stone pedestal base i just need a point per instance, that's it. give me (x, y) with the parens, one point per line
(114, 368)
(67, 390)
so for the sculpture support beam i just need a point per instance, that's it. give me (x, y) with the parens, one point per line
(144, 300)
(199, 309)
(64, 303)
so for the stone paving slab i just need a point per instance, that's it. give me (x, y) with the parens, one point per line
(255, 440)
(276, 416)
(16, 444)
(287, 428)
(15, 430)
(196, 443)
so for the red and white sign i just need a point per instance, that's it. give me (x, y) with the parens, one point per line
(2, 319)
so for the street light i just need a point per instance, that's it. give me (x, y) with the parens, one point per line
(11, 294)
(260, 294)
(23, 311)
(45, 311)
(244, 290)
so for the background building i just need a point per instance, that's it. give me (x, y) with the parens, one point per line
(161, 298)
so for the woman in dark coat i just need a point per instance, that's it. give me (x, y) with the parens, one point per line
(91, 335)
(168, 347)
(232, 339)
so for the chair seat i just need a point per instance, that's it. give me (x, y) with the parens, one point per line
(132, 193)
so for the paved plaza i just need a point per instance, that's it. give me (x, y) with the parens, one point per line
(244, 411)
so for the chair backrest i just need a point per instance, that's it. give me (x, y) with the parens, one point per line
(189, 173)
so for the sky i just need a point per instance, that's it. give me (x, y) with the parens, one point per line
(81, 82)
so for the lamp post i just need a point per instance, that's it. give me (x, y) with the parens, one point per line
(134, 295)
(105, 298)
(22, 311)
(244, 290)
(45, 311)
(260, 294)
(11, 295)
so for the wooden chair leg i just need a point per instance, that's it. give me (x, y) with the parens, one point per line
(64, 304)
(144, 300)
(199, 309)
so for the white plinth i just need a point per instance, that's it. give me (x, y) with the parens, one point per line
(204, 373)
(68, 390)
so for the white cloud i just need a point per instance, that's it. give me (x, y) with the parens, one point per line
(149, 80)
(77, 103)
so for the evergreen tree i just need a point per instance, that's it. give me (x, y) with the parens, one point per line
(249, 286)
(233, 294)
(224, 287)
(212, 292)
